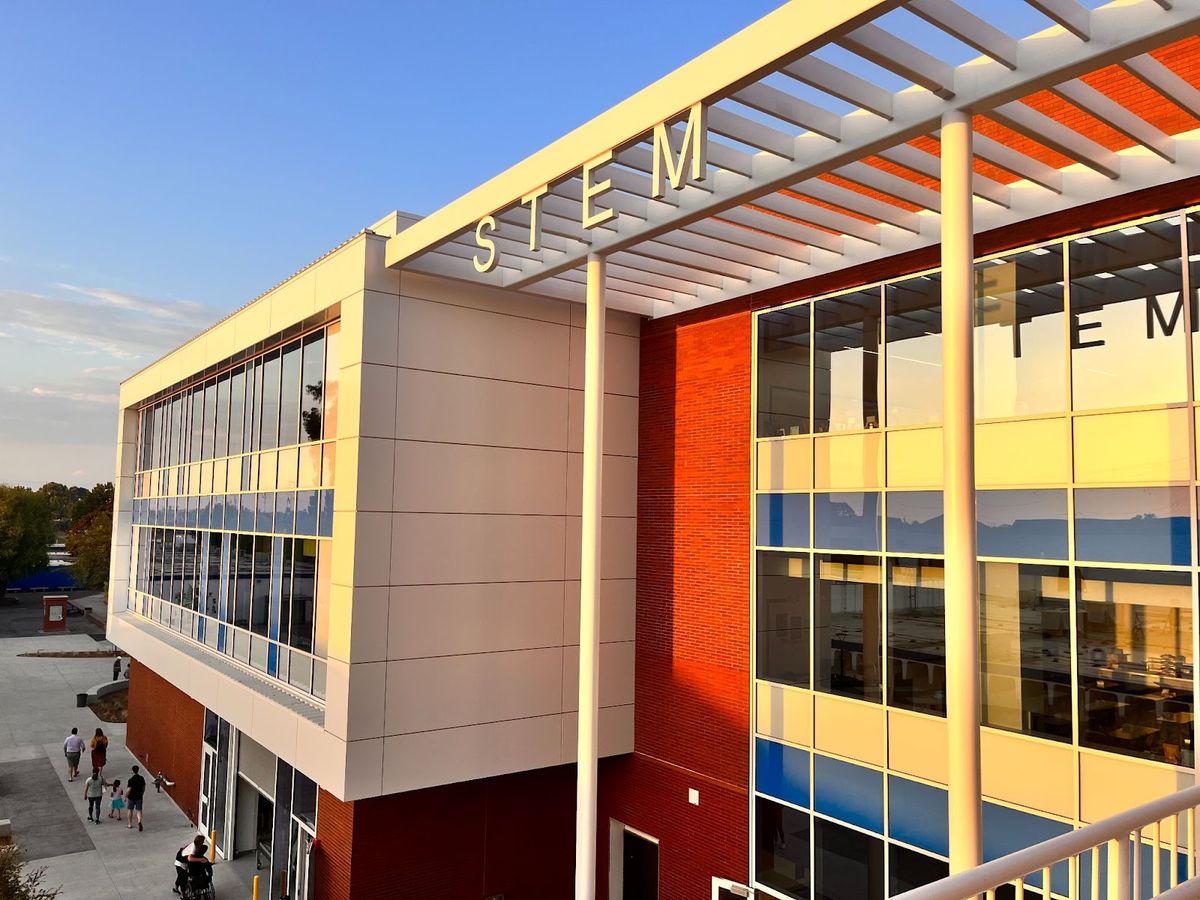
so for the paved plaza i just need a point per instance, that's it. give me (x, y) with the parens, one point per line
(49, 816)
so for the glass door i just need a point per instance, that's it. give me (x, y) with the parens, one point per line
(208, 783)
(300, 874)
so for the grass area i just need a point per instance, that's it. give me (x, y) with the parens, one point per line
(74, 654)
(112, 707)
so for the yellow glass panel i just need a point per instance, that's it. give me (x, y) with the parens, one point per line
(784, 713)
(193, 478)
(266, 470)
(914, 458)
(220, 467)
(1022, 453)
(1109, 784)
(917, 745)
(785, 465)
(1149, 446)
(328, 464)
(849, 461)
(850, 728)
(1032, 773)
(310, 466)
(288, 461)
(234, 480)
(206, 477)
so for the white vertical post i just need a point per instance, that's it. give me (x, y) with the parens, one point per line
(589, 584)
(958, 392)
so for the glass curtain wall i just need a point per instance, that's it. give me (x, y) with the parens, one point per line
(233, 509)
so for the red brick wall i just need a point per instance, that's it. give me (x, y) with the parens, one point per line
(692, 685)
(512, 835)
(331, 856)
(166, 729)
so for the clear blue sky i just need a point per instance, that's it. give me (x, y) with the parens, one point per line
(162, 163)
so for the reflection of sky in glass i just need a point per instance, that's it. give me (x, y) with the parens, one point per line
(914, 521)
(847, 521)
(1023, 524)
(1147, 525)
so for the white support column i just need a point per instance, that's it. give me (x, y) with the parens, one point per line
(589, 585)
(962, 594)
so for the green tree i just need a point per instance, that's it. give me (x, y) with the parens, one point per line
(62, 501)
(18, 882)
(90, 542)
(98, 498)
(26, 530)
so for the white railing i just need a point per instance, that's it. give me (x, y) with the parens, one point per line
(1071, 863)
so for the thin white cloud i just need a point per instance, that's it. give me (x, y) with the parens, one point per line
(120, 325)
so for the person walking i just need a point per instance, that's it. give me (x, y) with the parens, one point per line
(99, 750)
(93, 793)
(134, 794)
(72, 748)
(118, 801)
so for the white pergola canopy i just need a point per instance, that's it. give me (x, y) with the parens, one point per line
(797, 188)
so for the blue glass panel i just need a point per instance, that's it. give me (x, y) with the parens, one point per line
(202, 512)
(914, 521)
(1023, 524)
(265, 521)
(306, 512)
(782, 772)
(217, 516)
(848, 792)
(782, 520)
(848, 521)
(246, 517)
(325, 524)
(285, 512)
(1140, 525)
(918, 815)
(1008, 830)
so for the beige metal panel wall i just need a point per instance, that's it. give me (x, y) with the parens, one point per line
(465, 511)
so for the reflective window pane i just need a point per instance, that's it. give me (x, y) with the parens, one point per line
(914, 521)
(846, 373)
(848, 865)
(782, 592)
(1143, 525)
(783, 342)
(917, 635)
(311, 377)
(908, 869)
(1020, 358)
(289, 396)
(914, 350)
(848, 520)
(848, 626)
(782, 520)
(1135, 662)
(1128, 341)
(1025, 648)
(781, 848)
(1028, 524)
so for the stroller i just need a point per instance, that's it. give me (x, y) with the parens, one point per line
(199, 881)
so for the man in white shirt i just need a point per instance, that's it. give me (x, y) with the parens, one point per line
(72, 747)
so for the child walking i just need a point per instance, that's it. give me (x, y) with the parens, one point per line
(118, 801)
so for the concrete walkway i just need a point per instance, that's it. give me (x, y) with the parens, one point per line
(92, 862)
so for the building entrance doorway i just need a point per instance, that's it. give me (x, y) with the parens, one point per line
(300, 862)
(254, 825)
(208, 790)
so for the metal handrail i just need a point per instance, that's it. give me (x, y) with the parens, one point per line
(1116, 829)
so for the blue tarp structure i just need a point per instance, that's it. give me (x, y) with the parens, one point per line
(55, 578)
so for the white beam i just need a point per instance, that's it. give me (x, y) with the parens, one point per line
(835, 194)
(798, 208)
(788, 228)
(746, 237)
(1116, 116)
(892, 185)
(793, 110)
(927, 164)
(698, 243)
(1166, 82)
(747, 131)
(1058, 137)
(1070, 14)
(837, 82)
(968, 28)
(890, 52)
(701, 261)
(1005, 157)
(640, 276)
(697, 277)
